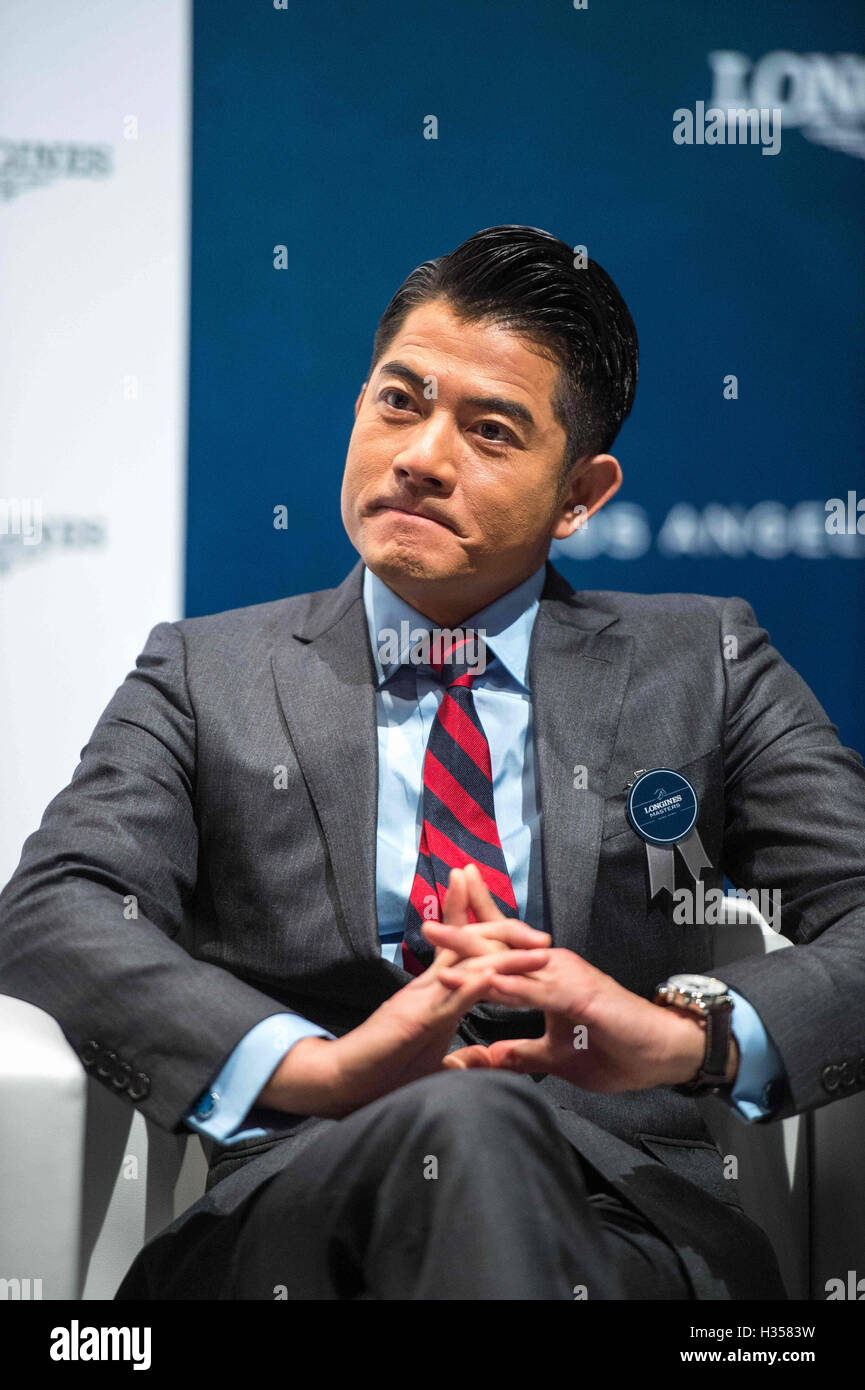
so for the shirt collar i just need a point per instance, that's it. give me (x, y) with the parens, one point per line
(507, 622)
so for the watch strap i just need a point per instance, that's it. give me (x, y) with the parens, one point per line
(712, 1071)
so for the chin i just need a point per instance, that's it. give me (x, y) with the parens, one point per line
(404, 557)
(407, 565)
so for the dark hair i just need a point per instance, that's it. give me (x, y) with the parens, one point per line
(526, 280)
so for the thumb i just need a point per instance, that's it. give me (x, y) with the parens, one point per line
(465, 1058)
(520, 1054)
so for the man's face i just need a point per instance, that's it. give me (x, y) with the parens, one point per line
(451, 492)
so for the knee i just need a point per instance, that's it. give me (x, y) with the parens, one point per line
(475, 1103)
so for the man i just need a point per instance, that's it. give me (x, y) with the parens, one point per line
(401, 915)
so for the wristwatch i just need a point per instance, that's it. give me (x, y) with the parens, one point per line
(708, 998)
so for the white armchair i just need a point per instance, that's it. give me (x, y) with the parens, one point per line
(84, 1182)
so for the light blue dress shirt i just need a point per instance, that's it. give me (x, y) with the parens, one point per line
(407, 701)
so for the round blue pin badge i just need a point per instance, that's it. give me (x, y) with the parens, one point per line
(662, 806)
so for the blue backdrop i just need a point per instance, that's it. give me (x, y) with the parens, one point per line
(309, 133)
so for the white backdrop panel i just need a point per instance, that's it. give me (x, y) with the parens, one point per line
(94, 210)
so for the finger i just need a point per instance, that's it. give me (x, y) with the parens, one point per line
(507, 962)
(516, 991)
(455, 913)
(520, 1054)
(451, 940)
(468, 992)
(456, 899)
(480, 900)
(485, 938)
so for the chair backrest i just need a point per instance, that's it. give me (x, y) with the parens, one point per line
(42, 1102)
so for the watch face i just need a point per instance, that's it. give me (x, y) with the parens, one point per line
(705, 985)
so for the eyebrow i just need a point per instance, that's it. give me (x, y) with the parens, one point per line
(513, 410)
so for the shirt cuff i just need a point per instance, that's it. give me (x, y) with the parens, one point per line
(758, 1087)
(228, 1101)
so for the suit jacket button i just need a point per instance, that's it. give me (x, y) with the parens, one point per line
(121, 1075)
(140, 1086)
(89, 1053)
(830, 1078)
(105, 1063)
(848, 1074)
(772, 1094)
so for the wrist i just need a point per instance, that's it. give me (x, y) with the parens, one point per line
(732, 1061)
(304, 1081)
(686, 1046)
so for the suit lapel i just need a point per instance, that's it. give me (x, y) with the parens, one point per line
(578, 675)
(325, 681)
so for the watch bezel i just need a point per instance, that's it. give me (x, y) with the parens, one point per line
(682, 991)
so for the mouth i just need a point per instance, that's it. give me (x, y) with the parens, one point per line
(411, 516)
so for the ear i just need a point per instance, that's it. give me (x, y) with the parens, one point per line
(359, 400)
(592, 482)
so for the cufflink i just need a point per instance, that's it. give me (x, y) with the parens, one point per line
(206, 1106)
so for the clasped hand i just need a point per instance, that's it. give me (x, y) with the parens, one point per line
(598, 1035)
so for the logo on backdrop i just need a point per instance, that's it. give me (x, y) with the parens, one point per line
(820, 94)
(25, 534)
(768, 530)
(28, 164)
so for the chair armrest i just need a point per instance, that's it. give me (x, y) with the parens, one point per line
(42, 1128)
(769, 1161)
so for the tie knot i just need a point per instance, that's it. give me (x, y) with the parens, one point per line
(451, 656)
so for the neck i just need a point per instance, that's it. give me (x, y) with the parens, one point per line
(450, 603)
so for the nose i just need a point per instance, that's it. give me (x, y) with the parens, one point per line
(426, 460)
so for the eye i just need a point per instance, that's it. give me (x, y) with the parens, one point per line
(504, 436)
(395, 391)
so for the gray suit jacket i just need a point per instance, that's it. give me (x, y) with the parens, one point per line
(181, 889)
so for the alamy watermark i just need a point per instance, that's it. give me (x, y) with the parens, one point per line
(733, 125)
(845, 517)
(21, 516)
(702, 906)
(77, 1343)
(432, 647)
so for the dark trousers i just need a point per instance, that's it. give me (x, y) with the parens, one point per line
(458, 1186)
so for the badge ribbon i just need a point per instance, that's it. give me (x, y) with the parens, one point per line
(663, 807)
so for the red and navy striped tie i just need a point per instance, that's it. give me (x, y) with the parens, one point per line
(459, 819)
